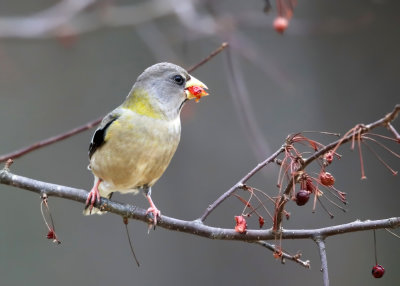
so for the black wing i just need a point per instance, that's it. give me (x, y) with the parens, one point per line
(99, 134)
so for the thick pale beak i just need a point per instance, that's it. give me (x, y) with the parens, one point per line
(195, 89)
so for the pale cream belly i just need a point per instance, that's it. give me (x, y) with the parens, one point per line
(135, 156)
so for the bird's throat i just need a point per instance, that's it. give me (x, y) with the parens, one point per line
(139, 101)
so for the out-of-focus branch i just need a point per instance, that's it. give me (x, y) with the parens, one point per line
(244, 110)
(71, 13)
(44, 23)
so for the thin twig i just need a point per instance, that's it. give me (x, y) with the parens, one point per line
(392, 233)
(125, 220)
(324, 261)
(44, 23)
(295, 258)
(240, 183)
(51, 140)
(394, 131)
(241, 99)
(209, 57)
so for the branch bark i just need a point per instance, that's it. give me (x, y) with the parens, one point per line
(324, 261)
(195, 227)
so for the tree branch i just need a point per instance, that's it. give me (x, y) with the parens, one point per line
(385, 121)
(284, 255)
(44, 23)
(195, 227)
(362, 129)
(239, 184)
(50, 140)
(209, 57)
(324, 261)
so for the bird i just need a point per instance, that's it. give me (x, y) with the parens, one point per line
(134, 144)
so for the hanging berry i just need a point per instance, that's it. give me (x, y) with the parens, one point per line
(281, 24)
(241, 224)
(326, 178)
(378, 271)
(302, 197)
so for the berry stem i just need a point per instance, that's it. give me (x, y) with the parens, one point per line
(376, 256)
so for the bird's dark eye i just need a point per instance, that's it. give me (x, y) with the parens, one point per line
(178, 79)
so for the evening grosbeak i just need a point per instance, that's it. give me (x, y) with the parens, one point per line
(134, 144)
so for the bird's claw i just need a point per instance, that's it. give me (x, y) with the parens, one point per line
(155, 212)
(93, 196)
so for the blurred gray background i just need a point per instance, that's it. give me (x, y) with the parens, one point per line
(337, 65)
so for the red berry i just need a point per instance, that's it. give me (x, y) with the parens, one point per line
(302, 197)
(51, 234)
(328, 157)
(378, 271)
(241, 225)
(281, 24)
(326, 178)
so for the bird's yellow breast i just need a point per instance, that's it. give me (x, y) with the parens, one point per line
(136, 152)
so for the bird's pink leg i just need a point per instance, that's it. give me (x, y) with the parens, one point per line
(93, 196)
(153, 209)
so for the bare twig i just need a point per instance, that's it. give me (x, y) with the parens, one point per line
(294, 258)
(50, 22)
(125, 220)
(44, 23)
(244, 110)
(48, 141)
(209, 57)
(392, 233)
(394, 131)
(324, 261)
(239, 184)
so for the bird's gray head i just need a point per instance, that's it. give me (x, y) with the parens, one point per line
(163, 86)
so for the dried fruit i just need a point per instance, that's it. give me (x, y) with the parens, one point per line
(302, 197)
(281, 24)
(328, 157)
(260, 221)
(241, 224)
(51, 234)
(378, 271)
(326, 178)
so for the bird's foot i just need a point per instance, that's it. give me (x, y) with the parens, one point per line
(93, 196)
(155, 212)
